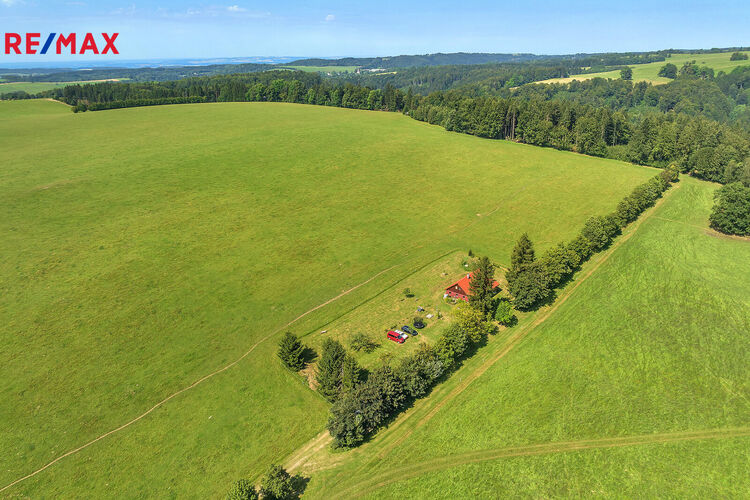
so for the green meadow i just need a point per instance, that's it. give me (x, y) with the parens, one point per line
(649, 345)
(147, 248)
(649, 72)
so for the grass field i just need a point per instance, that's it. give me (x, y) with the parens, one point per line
(324, 69)
(649, 72)
(648, 347)
(146, 248)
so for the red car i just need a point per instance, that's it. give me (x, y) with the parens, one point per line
(396, 337)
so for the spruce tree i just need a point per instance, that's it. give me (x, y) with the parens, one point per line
(350, 374)
(291, 351)
(481, 287)
(330, 369)
(523, 253)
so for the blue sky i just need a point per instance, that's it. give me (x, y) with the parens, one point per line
(235, 28)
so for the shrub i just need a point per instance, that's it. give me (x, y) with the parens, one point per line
(277, 484)
(452, 345)
(419, 371)
(504, 313)
(408, 293)
(242, 490)
(471, 321)
(363, 342)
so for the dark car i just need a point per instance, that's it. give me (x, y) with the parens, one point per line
(419, 324)
(408, 330)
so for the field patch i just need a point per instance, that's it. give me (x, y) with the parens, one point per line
(649, 72)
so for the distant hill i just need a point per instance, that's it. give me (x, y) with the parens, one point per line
(405, 61)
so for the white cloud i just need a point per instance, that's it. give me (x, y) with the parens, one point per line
(236, 8)
(8, 3)
(330, 17)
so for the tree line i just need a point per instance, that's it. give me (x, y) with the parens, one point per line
(532, 281)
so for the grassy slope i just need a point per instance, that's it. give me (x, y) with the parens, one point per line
(650, 71)
(655, 341)
(148, 247)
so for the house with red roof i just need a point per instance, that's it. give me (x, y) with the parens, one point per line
(461, 289)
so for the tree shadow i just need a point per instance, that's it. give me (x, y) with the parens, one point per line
(309, 355)
(299, 485)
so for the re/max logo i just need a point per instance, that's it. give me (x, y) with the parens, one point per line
(14, 43)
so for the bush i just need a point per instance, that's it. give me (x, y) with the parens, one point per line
(452, 345)
(242, 490)
(363, 342)
(471, 321)
(731, 211)
(292, 352)
(504, 313)
(419, 371)
(408, 293)
(277, 484)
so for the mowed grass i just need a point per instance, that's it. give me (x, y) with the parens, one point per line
(653, 342)
(649, 72)
(145, 248)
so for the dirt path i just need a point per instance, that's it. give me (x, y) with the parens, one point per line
(384, 440)
(194, 384)
(378, 481)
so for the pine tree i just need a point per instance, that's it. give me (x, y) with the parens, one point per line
(523, 253)
(291, 351)
(350, 374)
(330, 369)
(481, 287)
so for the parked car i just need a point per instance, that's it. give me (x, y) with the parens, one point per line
(419, 324)
(395, 337)
(408, 330)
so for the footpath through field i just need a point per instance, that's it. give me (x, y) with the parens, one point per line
(377, 481)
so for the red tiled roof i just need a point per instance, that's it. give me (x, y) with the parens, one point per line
(464, 282)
